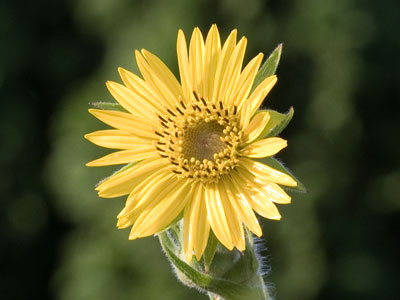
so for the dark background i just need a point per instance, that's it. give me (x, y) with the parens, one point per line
(340, 71)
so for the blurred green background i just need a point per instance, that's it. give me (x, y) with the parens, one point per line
(340, 71)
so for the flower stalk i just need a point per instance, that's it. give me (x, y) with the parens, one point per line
(231, 275)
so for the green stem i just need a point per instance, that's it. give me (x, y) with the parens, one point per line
(213, 296)
(259, 277)
(228, 275)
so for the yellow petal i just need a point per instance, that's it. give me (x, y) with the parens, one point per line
(216, 215)
(153, 220)
(271, 190)
(232, 72)
(245, 115)
(165, 185)
(241, 206)
(184, 70)
(266, 172)
(275, 193)
(137, 204)
(264, 148)
(160, 88)
(245, 81)
(255, 127)
(263, 206)
(187, 226)
(196, 59)
(261, 91)
(196, 225)
(232, 217)
(165, 75)
(148, 205)
(116, 139)
(212, 53)
(225, 56)
(125, 122)
(124, 182)
(256, 198)
(140, 189)
(124, 222)
(132, 102)
(124, 157)
(139, 86)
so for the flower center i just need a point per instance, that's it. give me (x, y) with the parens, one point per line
(200, 140)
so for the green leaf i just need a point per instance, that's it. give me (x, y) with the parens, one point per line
(237, 280)
(276, 164)
(197, 278)
(209, 253)
(269, 67)
(108, 106)
(276, 123)
(126, 167)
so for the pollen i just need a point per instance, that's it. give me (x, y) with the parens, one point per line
(200, 140)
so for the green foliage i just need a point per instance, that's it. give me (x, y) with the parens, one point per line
(232, 275)
(108, 106)
(269, 67)
(276, 164)
(276, 123)
(210, 251)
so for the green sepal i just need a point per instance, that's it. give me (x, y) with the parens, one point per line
(108, 106)
(210, 251)
(276, 123)
(124, 168)
(171, 249)
(233, 275)
(276, 164)
(269, 67)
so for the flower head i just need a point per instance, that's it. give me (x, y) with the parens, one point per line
(190, 146)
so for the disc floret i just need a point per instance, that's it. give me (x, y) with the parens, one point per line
(200, 139)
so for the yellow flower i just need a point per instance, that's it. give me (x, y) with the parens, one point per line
(190, 145)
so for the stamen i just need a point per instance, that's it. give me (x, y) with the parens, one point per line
(171, 112)
(162, 119)
(200, 142)
(178, 109)
(196, 96)
(183, 104)
(159, 134)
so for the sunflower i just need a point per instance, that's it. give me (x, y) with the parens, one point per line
(191, 148)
